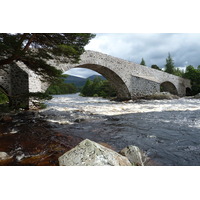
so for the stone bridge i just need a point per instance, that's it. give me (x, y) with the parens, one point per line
(130, 80)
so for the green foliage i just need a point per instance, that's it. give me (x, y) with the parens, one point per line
(60, 87)
(155, 67)
(169, 67)
(42, 106)
(3, 98)
(194, 75)
(143, 62)
(178, 72)
(34, 49)
(98, 88)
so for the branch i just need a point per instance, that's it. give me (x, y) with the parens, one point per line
(17, 53)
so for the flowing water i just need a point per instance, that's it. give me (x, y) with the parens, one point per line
(167, 130)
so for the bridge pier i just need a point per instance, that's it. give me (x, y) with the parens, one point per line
(15, 84)
(142, 87)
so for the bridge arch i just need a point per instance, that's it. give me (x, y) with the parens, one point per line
(168, 87)
(129, 79)
(116, 81)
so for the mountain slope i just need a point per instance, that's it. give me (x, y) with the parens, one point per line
(80, 82)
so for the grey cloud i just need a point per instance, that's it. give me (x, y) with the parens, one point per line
(154, 48)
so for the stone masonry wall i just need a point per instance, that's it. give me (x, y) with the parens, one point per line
(125, 70)
(129, 79)
(35, 83)
(141, 87)
(19, 87)
(15, 82)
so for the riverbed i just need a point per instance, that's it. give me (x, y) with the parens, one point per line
(168, 131)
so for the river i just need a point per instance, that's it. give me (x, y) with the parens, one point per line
(168, 131)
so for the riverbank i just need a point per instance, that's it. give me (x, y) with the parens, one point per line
(29, 140)
(166, 130)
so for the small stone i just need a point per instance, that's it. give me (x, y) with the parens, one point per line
(89, 153)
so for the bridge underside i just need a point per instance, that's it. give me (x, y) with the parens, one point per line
(117, 83)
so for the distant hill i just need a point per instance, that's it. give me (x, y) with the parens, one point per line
(80, 82)
(95, 76)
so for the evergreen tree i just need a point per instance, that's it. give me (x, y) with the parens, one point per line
(194, 75)
(98, 88)
(169, 67)
(178, 72)
(60, 87)
(88, 88)
(143, 62)
(33, 49)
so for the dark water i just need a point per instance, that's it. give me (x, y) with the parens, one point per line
(169, 137)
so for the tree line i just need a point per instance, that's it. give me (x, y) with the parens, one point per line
(91, 88)
(98, 88)
(190, 73)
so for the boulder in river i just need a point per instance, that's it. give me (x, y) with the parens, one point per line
(197, 96)
(89, 153)
(134, 155)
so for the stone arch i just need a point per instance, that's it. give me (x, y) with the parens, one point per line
(116, 81)
(168, 87)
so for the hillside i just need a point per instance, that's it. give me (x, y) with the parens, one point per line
(80, 82)
(95, 76)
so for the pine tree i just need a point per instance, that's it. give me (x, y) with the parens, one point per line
(169, 67)
(87, 88)
(33, 49)
(143, 62)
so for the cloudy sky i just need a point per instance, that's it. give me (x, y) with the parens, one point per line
(153, 48)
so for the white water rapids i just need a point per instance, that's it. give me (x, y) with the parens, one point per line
(167, 130)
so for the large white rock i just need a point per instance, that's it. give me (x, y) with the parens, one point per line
(89, 153)
(134, 155)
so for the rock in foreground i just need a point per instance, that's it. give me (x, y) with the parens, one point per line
(89, 153)
(134, 155)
